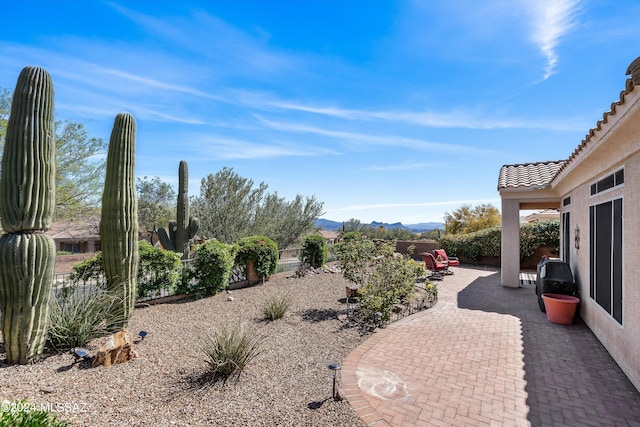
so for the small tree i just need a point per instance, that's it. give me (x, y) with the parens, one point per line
(314, 250)
(467, 219)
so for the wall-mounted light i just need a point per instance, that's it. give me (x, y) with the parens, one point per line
(577, 237)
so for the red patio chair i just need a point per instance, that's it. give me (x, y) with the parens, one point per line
(437, 268)
(441, 255)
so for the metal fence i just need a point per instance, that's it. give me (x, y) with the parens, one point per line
(64, 285)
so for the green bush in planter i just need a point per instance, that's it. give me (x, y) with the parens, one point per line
(262, 251)
(212, 267)
(314, 250)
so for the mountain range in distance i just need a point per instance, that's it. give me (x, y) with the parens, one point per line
(329, 225)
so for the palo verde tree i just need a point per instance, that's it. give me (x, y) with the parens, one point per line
(467, 219)
(27, 201)
(231, 207)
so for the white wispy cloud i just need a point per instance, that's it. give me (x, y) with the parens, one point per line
(409, 166)
(369, 139)
(454, 119)
(551, 19)
(218, 148)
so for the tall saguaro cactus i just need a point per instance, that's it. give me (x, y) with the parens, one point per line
(119, 218)
(180, 232)
(27, 200)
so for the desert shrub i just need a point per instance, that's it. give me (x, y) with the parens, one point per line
(488, 242)
(229, 349)
(21, 413)
(355, 255)
(88, 269)
(314, 250)
(275, 306)
(158, 269)
(262, 251)
(211, 268)
(77, 317)
(392, 282)
(386, 278)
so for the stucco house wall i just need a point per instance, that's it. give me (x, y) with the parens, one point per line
(618, 147)
(613, 145)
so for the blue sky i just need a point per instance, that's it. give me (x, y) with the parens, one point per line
(384, 110)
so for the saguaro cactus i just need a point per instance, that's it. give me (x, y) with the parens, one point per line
(119, 218)
(27, 200)
(180, 232)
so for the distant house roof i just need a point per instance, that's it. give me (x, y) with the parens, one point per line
(77, 230)
(542, 215)
(540, 175)
(328, 234)
(534, 175)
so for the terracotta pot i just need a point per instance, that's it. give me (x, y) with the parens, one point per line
(560, 308)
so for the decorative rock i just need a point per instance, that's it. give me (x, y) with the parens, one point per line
(47, 389)
(118, 348)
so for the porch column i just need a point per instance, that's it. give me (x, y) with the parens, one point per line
(510, 250)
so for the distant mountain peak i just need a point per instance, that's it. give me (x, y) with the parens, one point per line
(327, 224)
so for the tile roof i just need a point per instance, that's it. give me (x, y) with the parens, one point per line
(533, 175)
(536, 175)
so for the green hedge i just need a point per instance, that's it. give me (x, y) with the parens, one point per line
(262, 250)
(314, 251)
(486, 243)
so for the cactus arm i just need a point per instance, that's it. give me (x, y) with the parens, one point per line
(185, 227)
(119, 225)
(194, 225)
(27, 200)
(165, 240)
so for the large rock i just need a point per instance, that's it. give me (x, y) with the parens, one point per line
(118, 348)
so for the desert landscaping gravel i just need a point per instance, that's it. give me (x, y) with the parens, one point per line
(288, 384)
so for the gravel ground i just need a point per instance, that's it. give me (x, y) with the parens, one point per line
(288, 384)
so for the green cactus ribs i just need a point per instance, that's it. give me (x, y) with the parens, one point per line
(119, 218)
(27, 200)
(180, 232)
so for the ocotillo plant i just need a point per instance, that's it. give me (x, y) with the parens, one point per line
(27, 200)
(180, 232)
(119, 218)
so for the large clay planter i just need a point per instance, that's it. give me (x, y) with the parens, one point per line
(560, 308)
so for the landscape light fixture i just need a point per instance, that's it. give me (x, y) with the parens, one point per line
(142, 334)
(81, 353)
(334, 367)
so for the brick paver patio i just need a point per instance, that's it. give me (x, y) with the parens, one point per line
(486, 355)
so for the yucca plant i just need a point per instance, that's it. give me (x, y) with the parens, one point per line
(78, 318)
(275, 306)
(229, 349)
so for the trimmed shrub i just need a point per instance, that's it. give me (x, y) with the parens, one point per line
(211, 268)
(488, 242)
(314, 251)
(158, 269)
(260, 249)
(229, 349)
